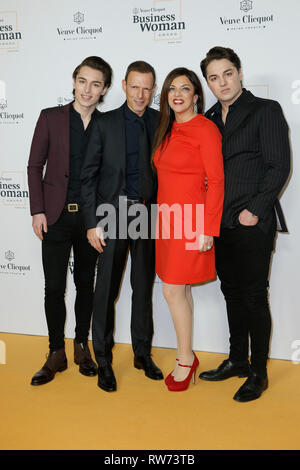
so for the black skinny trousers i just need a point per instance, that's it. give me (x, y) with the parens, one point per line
(243, 257)
(66, 233)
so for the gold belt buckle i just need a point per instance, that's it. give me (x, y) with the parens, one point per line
(73, 208)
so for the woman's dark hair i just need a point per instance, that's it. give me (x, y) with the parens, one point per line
(217, 53)
(95, 62)
(167, 116)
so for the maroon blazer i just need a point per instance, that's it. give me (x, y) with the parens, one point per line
(51, 146)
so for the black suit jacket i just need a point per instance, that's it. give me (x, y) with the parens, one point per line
(256, 154)
(104, 172)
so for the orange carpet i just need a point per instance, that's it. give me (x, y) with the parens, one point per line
(71, 412)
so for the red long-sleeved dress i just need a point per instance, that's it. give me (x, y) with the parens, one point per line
(187, 205)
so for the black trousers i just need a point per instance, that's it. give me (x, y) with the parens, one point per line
(68, 232)
(243, 257)
(109, 275)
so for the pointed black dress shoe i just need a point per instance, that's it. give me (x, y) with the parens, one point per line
(106, 378)
(226, 370)
(252, 388)
(151, 370)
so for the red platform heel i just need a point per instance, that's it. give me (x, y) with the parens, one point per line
(170, 377)
(180, 386)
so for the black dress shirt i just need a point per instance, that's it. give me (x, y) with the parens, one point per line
(133, 130)
(217, 118)
(227, 221)
(78, 142)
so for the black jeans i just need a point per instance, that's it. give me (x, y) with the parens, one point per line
(243, 257)
(68, 232)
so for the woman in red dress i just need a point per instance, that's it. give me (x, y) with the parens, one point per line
(189, 163)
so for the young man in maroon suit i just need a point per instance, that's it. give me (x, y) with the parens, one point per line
(59, 141)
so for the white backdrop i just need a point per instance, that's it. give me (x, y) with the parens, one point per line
(41, 42)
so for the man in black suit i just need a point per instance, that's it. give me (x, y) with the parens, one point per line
(256, 163)
(117, 171)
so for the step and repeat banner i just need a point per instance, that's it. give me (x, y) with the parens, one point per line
(41, 43)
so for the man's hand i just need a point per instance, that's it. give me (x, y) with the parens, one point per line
(205, 242)
(247, 218)
(96, 238)
(39, 223)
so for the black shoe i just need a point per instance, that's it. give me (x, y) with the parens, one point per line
(252, 388)
(151, 370)
(226, 370)
(82, 357)
(56, 362)
(106, 378)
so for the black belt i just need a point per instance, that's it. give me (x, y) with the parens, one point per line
(72, 207)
